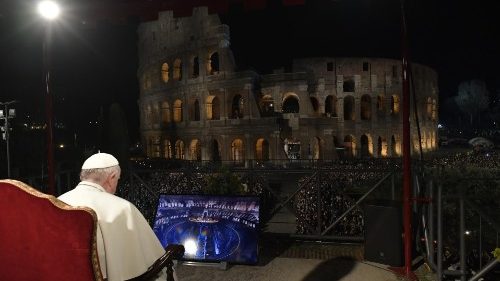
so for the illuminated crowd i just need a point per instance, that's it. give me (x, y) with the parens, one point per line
(327, 195)
(144, 190)
(324, 195)
(484, 159)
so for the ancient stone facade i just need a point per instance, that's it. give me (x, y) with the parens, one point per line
(195, 106)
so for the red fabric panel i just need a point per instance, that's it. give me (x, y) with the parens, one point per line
(39, 241)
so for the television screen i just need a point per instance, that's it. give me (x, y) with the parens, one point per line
(211, 228)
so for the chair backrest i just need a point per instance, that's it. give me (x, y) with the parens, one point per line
(42, 238)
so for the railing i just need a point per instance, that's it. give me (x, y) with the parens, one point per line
(268, 165)
(444, 203)
(474, 226)
(355, 181)
(356, 204)
(438, 206)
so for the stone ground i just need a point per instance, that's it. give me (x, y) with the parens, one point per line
(284, 259)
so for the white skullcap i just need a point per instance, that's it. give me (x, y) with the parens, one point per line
(100, 161)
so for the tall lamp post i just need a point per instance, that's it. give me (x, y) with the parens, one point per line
(407, 200)
(6, 114)
(49, 10)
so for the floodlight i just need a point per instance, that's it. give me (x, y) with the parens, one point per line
(48, 9)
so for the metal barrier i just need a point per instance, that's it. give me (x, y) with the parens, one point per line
(317, 176)
(466, 199)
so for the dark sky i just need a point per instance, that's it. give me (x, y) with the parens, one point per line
(95, 66)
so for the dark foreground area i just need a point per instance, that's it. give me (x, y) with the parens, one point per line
(283, 259)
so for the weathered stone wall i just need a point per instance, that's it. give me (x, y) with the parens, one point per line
(326, 108)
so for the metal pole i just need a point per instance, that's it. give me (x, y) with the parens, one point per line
(319, 198)
(48, 109)
(480, 242)
(415, 191)
(462, 238)
(393, 190)
(431, 223)
(6, 116)
(6, 112)
(428, 243)
(354, 205)
(491, 265)
(406, 149)
(439, 233)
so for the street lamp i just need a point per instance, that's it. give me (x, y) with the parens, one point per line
(49, 10)
(6, 114)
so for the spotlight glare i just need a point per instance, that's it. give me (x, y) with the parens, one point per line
(48, 9)
(190, 247)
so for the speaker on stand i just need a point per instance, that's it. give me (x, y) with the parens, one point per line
(383, 232)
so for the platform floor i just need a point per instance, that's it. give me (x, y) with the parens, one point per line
(289, 260)
(291, 269)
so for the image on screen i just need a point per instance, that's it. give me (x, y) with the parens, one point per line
(211, 228)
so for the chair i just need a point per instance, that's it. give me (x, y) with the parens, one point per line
(42, 238)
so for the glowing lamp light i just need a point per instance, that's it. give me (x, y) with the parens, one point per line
(48, 9)
(190, 247)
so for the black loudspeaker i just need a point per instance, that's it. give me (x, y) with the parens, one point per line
(383, 232)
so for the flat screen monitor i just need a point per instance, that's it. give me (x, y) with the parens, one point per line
(211, 228)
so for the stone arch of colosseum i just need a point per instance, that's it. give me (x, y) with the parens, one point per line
(314, 109)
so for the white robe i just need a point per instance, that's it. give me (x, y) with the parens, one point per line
(127, 246)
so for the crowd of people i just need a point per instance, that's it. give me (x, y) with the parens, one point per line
(144, 190)
(324, 195)
(334, 184)
(327, 195)
(481, 159)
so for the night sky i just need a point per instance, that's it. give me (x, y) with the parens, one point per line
(95, 65)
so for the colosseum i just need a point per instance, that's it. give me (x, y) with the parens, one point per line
(194, 105)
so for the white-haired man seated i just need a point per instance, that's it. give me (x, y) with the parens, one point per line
(126, 244)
